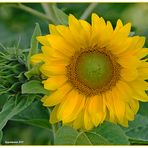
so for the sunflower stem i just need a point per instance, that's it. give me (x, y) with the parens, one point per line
(30, 10)
(34, 12)
(50, 11)
(54, 128)
(88, 11)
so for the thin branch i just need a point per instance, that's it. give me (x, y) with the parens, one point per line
(29, 10)
(45, 6)
(32, 11)
(88, 11)
(53, 127)
(50, 11)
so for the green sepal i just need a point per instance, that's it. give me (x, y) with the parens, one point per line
(34, 87)
(34, 44)
(35, 70)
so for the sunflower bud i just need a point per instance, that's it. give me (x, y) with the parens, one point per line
(12, 68)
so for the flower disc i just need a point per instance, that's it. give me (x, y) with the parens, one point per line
(94, 69)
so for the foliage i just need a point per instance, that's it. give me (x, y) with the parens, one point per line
(20, 82)
(13, 106)
(34, 44)
(33, 87)
(105, 134)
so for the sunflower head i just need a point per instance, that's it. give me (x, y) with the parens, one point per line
(95, 72)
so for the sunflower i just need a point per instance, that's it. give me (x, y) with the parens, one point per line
(95, 73)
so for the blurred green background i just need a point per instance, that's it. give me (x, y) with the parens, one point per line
(16, 24)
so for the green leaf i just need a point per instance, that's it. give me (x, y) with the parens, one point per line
(42, 123)
(82, 139)
(36, 115)
(34, 87)
(69, 136)
(143, 109)
(13, 107)
(113, 133)
(56, 15)
(97, 139)
(3, 99)
(138, 130)
(34, 44)
(65, 136)
(34, 71)
(1, 136)
(60, 15)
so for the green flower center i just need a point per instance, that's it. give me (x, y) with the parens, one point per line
(94, 69)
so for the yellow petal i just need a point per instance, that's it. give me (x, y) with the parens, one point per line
(53, 55)
(129, 74)
(142, 53)
(77, 31)
(124, 90)
(109, 29)
(86, 30)
(129, 61)
(129, 113)
(43, 40)
(119, 25)
(71, 106)
(86, 26)
(96, 110)
(49, 69)
(54, 82)
(110, 106)
(139, 86)
(88, 124)
(124, 122)
(122, 31)
(119, 105)
(78, 109)
(74, 24)
(138, 42)
(134, 105)
(67, 35)
(43, 98)
(143, 64)
(37, 58)
(120, 39)
(98, 30)
(60, 44)
(105, 35)
(131, 109)
(57, 96)
(143, 73)
(97, 22)
(53, 30)
(134, 47)
(118, 44)
(79, 121)
(53, 115)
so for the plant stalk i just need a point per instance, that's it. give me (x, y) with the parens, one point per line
(30, 10)
(34, 12)
(54, 128)
(88, 11)
(50, 12)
